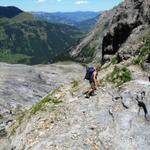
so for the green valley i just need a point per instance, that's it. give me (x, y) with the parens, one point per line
(24, 39)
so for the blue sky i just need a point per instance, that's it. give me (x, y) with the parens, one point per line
(61, 5)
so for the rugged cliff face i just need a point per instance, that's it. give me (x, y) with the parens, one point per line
(117, 31)
(91, 45)
(129, 23)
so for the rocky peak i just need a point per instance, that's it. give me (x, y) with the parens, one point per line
(117, 31)
(128, 17)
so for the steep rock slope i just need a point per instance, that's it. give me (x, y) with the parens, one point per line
(23, 86)
(109, 120)
(118, 30)
(129, 24)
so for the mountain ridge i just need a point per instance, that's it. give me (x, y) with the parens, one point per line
(9, 11)
(116, 32)
(24, 39)
(78, 19)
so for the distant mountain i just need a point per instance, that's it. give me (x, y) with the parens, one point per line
(77, 19)
(67, 17)
(23, 39)
(53, 18)
(87, 25)
(9, 11)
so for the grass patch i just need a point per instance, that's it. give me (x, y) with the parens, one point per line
(8, 57)
(114, 60)
(40, 106)
(56, 101)
(144, 52)
(119, 75)
(47, 99)
(102, 82)
(75, 83)
(105, 66)
(74, 87)
(86, 55)
(13, 131)
(57, 90)
(1, 117)
(19, 121)
(88, 52)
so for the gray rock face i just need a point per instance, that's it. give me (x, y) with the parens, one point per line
(118, 31)
(111, 120)
(22, 86)
(101, 122)
(129, 23)
(2, 130)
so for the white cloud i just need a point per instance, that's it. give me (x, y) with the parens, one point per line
(41, 1)
(79, 2)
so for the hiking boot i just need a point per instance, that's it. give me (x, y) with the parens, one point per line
(87, 96)
(93, 94)
(85, 93)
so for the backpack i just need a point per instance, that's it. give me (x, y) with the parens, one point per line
(89, 73)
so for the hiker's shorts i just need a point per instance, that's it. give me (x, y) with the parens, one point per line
(92, 85)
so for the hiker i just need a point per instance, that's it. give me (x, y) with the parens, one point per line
(91, 75)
